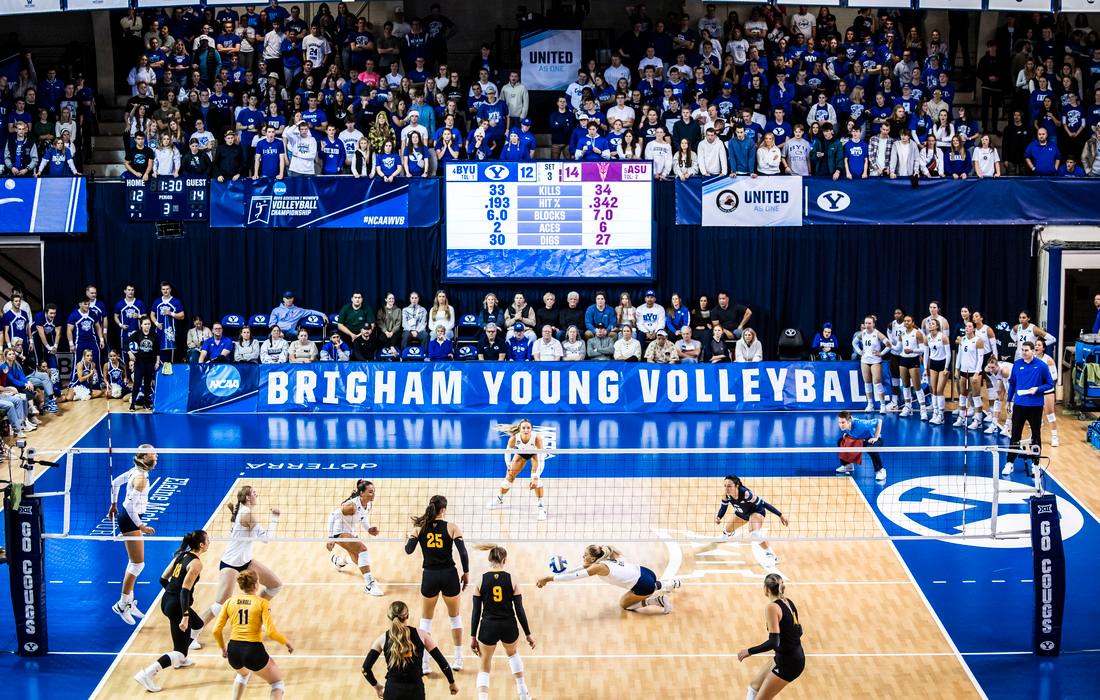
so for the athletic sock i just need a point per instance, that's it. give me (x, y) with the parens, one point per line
(868, 389)
(651, 600)
(907, 394)
(636, 606)
(750, 694)
(920, 399)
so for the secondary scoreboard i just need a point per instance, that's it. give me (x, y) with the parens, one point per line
(168, 199)
(549, 220)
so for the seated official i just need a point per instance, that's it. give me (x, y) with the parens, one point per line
(492, 347)
(335, 350)
(601, 346)
(217, 348)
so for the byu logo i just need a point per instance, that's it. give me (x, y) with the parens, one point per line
(30, 646)
(1046, 646)
(259, 210)
(496, 172)
(223, 380)
(1045, 509)
(833, 200)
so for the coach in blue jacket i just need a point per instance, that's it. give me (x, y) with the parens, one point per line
(1029, 381)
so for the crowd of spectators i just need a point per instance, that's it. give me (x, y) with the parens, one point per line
(272, 93)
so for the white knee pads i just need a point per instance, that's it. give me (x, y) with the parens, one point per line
(505, 484)
(135, 569)
(759, 535)
(215, 609)
(482, 679)
(242, 680)
(516, 664)
(426, 625)
(277, 685)
(456, 622)
(176, 658)
(272, 591)
(364, 559)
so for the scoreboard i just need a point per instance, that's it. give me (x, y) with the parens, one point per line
(549, 220)
(168, 199)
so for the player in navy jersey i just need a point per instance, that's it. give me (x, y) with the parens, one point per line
(270, 159)
(332, 152)
(437, 540)
(128, 314)
(164, 312)
(748, 508)
(84, 332)
(498, 605)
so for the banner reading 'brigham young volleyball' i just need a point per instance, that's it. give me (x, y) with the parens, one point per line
(550, 58)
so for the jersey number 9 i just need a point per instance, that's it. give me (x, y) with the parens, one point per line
(498, 594)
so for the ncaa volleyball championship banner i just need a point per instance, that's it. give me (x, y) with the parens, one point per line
(324, 202)
(494, 387)
(43, 205)
(550, 58)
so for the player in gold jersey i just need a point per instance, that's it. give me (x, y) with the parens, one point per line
(249, 617)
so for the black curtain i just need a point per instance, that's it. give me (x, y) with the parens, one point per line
(789, 277)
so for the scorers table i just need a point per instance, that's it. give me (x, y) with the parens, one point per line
(549, 220)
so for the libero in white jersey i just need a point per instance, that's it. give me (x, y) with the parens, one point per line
(345, 526)
(641, 583)
(997, 374)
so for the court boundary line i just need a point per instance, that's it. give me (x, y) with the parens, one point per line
(149, 612)
(649, 655)
(928, 605)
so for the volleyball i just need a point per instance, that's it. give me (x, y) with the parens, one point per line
(558, 564)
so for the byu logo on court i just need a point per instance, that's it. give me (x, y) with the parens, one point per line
(223, 380)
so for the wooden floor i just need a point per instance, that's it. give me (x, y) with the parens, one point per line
(587, 646)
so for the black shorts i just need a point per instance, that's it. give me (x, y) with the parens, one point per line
(440, 581)
(789, 667)
(126, 524)
(647, 583)
(238, 569)
(937, 365)
(250, 655)
(909, 362)
(746, 513)
(496, 631)
(972, 375)
(403, 691)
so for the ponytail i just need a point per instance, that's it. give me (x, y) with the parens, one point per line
(403, 646)
(360, 487)
(497, 554)
(511, 429)
(248, 580)
(735, 479)
(599, 552)
(191, 541)
(776, 587)
(435, 506)
(242, 497)
(145, 457)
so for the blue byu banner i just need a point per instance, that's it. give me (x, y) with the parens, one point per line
(550, 58)
(324, 202)
(495, 387)
(43, 205)
(1020, 200)
(1049, 573)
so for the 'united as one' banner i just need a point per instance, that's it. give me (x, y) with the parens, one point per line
(550, 58)
(324, 202)
(745, 201)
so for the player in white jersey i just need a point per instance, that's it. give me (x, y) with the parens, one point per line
(344, 526)
(998, 373)
(969, 363)
(912, 351)
(523, 446)
(131, 524)
(937, 359)
(871, 345)
(1048, 399)
(244, 531)
(641, 584)
(989, 338)
(1027, 332)
(894, 333)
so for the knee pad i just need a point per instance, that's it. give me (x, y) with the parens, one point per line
(277, 685)
(759, 535)
(216, 609)
(515, 663)
(135, 569)
(426, 625)
(456, 622)
(272, 591)
(505, 484)
(364, 559)
(482, 679)
(176, 658)
(242, 680)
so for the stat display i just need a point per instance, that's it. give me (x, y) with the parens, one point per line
(168, 199)
(549, 220)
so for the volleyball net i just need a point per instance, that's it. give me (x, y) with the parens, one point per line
(589, 494)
